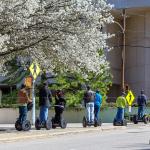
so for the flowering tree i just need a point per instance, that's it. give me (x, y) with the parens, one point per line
(62, 34)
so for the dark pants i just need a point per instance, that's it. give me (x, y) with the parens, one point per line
(120, 114)
(22, 114)
(96, 111)
(141, 111)
(58, 113)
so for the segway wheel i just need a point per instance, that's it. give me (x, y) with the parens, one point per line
(135, 119)
(26, 126)
(48, 124)
(100, 122)
(63, 124)
(96, 123)
(84, 122)
(124, 123)
(37, 124)
(114, 122)
(53, 123)
(18, 125)
(145, 119)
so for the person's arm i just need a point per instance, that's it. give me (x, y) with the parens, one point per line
(145, 100)
(27, 97)
(100, 99)
(50, 95)
(125, 101)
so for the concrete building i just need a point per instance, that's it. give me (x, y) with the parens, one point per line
(137, 45)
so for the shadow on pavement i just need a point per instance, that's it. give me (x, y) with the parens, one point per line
(139, 146)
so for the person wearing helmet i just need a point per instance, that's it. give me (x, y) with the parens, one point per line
(97, 104)
(23, 100)
(121, 104)
(45, 98)
(60, 103)
(89, 97)
(141, 102)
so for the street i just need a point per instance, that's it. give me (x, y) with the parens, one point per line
(134, 137)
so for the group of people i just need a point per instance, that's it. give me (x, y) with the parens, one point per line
(92, 102)
(45, 99)
(121, 104)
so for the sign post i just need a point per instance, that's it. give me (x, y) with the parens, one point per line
(130, 98)
(35, 70)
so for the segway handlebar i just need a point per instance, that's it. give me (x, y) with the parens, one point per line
(58, 106)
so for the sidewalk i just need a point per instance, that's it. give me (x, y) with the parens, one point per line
(9, 134)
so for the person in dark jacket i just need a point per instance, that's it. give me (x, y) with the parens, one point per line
(141, 102)
(45, 97)
(88, 98)
(60, 103)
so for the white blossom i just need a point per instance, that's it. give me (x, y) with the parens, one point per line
(64, 33)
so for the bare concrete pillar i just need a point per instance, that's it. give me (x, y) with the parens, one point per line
(0, 96)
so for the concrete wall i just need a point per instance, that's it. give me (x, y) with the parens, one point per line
(138, 51)
(114, 57)
(137, 65)
(9, 116)
(129, 3)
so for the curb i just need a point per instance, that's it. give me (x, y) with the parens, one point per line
(34, 134)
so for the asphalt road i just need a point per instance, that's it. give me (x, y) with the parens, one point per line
(133, 138)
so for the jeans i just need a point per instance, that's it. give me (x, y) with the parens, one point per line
(120, 114)
(22, 114)
(90, 111)
(141, 111)
(96, 111)
(43, 114)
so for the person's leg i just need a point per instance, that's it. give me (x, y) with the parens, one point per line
(91, 112)
(139, 112)
(122, 116)
(20, 114)
(41, 116)
(60, 113)
(142, 111)
(96, 111)
(56, 114)
(45, 113)
(119, 114)
(24, 113)
(88, 111)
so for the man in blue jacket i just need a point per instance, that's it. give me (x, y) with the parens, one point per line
(141, 101)
(97, 104)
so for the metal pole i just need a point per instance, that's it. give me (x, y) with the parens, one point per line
(123, 51)
(33, 101)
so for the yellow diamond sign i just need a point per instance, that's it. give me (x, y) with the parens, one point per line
(34, 69)
(130, 97)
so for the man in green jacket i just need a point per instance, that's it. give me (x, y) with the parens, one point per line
(121, 104)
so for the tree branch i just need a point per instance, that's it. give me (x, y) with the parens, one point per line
(17, 49)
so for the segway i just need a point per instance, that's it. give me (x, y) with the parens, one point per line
(144, 119)
(25, 125)
(96, 122)
(119, 123)
(47, 124)
(59, 122)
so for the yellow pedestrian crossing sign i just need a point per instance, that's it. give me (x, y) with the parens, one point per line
(34, 69)
(130, 97)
